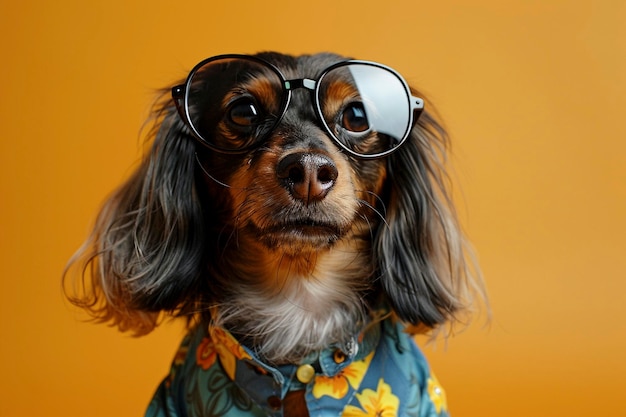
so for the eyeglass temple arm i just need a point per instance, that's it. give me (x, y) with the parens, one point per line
(178, 93)
(417, 103)
(417, 106)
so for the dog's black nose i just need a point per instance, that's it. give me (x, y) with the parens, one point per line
(307, 176)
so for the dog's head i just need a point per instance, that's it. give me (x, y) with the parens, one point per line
(273, 149)
(270, 174)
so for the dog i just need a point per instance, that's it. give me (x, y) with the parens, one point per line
(295, 210)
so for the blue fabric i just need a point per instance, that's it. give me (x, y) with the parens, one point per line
(383, 374)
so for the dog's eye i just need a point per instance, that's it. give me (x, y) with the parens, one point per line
(354, 118)
(243, 113)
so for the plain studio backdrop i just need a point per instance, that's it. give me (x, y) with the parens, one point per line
(533, 94)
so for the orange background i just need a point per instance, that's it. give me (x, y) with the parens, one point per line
(532, 92)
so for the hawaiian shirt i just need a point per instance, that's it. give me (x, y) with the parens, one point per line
(382, 374)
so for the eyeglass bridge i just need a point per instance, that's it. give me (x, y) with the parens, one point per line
(300, 83)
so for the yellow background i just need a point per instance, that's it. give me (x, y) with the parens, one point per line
(532, 92)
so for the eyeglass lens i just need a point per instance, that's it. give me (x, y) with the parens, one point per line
(236, 95)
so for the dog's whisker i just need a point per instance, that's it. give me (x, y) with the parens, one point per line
(379, 200)
(378, 213)
(367, 225)
(211, 177)
(282, 283)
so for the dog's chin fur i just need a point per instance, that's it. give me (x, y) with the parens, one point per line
(290, 298)
(303, 305)
(225, 239)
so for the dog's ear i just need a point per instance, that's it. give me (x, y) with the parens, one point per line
(144, 254)
(421, 252)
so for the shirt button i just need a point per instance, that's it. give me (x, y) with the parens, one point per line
(274, 402)
(305, 373)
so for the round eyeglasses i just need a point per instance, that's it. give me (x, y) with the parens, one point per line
(231, 103)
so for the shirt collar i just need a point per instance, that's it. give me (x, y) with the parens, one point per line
(261, 380)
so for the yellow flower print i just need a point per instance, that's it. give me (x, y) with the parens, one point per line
(228, 350)
(179, 360)
(334, 386)
(437, 394)
(379, 403)
(181, 355)
(226, 340)
(337, 386)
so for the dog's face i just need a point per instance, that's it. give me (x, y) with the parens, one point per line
(296, 192)
(283, 198)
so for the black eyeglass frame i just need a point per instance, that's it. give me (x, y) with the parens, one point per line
(181, 93)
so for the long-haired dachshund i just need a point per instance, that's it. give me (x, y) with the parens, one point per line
(294, 210)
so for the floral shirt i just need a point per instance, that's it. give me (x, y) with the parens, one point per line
(382, 374)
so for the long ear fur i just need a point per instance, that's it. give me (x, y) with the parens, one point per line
(145, 251)
(426, 270)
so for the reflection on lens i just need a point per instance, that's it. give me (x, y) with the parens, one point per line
(383, 99)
